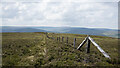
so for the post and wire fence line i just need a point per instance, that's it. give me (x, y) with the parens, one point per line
(87, 39)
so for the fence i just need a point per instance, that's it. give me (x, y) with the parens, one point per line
(88, 39)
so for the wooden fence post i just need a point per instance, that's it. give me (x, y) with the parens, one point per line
(83, 42)
(67, 40)
(88, 46)
(99, 48)
(62, 39)
(74, 42)
(57, 38)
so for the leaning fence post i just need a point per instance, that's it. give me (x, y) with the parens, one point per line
(99, 48)
(88, 46)
(83, 42)
(74, 42)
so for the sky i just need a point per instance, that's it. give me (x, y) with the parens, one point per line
(60, 13)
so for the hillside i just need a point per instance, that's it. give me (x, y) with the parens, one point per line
(35, 49)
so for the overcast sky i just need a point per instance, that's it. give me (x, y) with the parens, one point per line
(71, 13)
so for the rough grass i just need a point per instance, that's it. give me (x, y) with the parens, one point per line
(35, 49)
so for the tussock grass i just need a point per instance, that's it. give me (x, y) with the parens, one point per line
(35, 49)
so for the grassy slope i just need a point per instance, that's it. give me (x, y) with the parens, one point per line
(36, 49)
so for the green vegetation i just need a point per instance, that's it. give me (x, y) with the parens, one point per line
(35, 49)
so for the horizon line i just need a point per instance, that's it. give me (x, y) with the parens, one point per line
(57, 26)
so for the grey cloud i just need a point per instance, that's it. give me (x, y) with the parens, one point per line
(59, 1)
(9, 10)
(76, 14)
(10, 13)
(79, 18)
(21, 0)
(13, 11)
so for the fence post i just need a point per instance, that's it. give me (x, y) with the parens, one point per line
(57, 38)
(74, 42)
(99, 48)
(62, 39)
(67, 40)
(88, 45)
(83, 42)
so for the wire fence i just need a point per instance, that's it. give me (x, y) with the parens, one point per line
(77, 43)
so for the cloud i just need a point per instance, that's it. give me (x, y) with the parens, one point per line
(60, 0)
(47, 13)
(91, 14)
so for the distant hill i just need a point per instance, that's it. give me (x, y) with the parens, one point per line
(77, 30)
(21, 29)
(73, 30)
